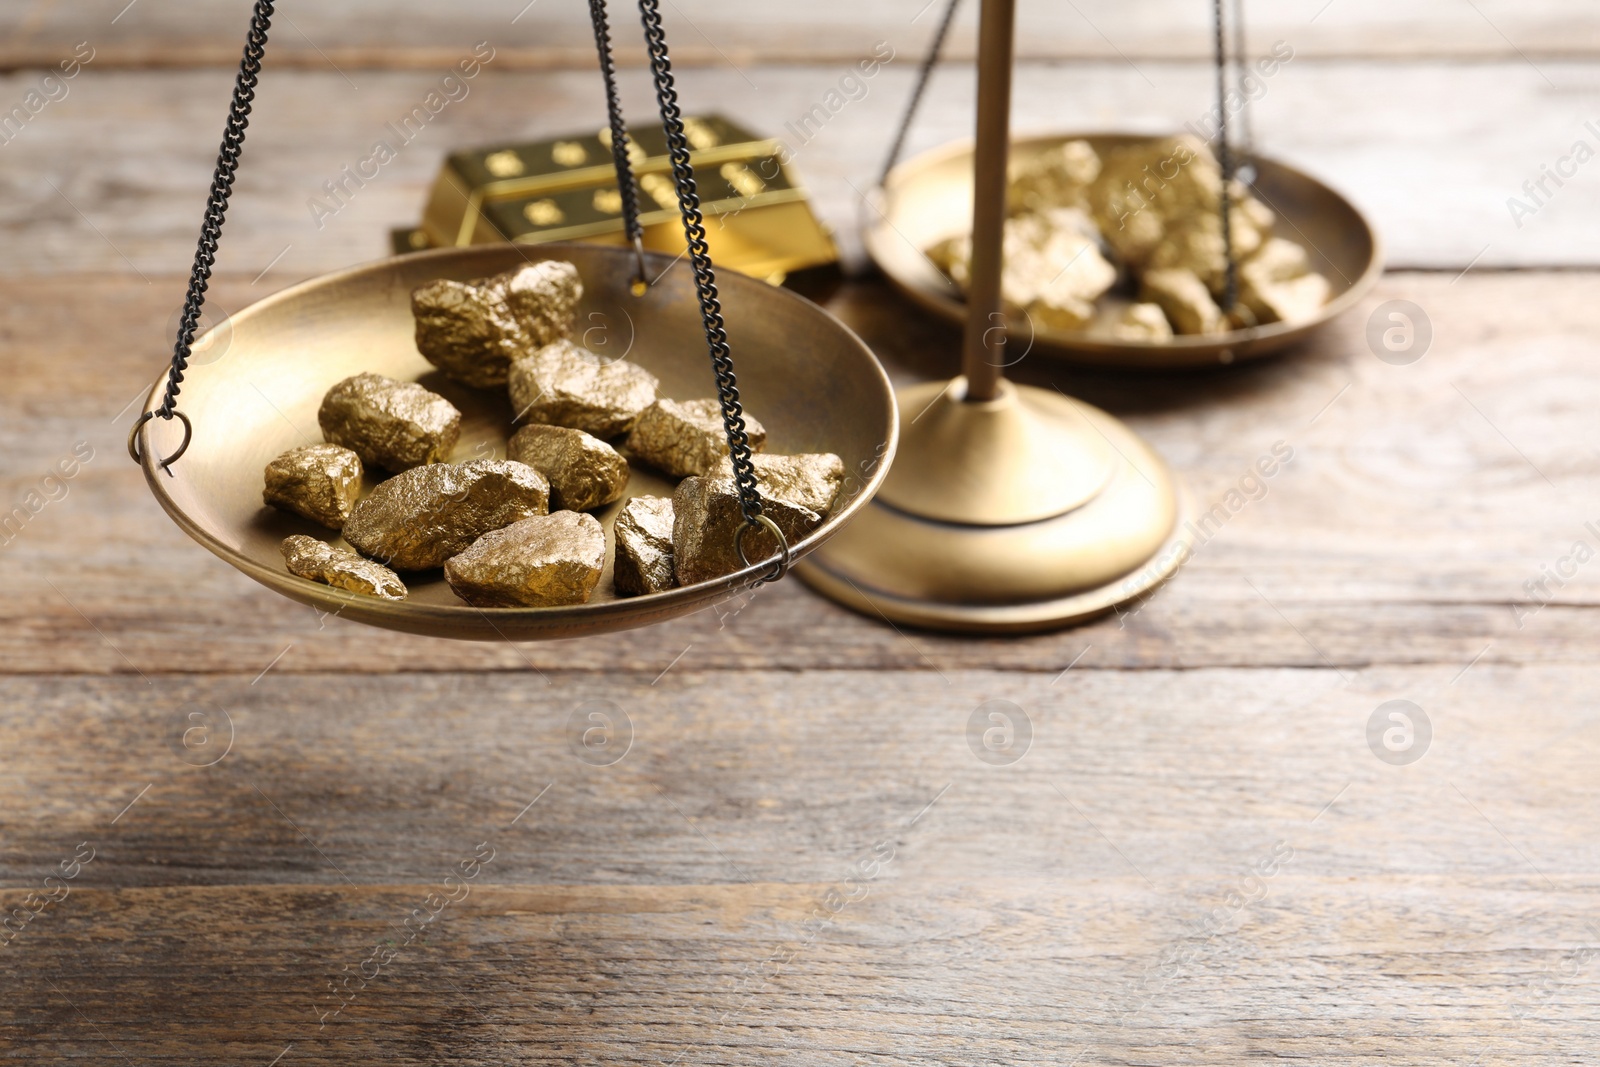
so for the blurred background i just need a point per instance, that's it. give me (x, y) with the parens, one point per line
(1430, 114)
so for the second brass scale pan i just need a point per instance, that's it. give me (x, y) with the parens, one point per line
(929, 197)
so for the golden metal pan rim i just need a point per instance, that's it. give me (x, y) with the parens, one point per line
(925, 193)
(257, 379)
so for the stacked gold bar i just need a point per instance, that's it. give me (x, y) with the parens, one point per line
(757, 218)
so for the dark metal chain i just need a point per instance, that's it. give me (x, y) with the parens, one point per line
(1247, 136)
(244, 91)
(1230, 291)
(924, 71)
(619, 133)
(705, 279)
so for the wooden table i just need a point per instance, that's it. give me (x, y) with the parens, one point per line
(797, 859)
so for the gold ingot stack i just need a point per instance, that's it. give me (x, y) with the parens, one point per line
(757, 219)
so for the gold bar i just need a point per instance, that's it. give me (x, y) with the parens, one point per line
(757, 218)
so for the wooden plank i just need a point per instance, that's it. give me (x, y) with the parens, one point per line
(113, 177)
(1406, 528)
(1094, 899)
(762, 776)
(1026, 971)
(368, 33)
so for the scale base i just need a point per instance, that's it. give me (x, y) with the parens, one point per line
(905, 559)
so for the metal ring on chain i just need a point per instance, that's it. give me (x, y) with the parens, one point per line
(165, 464)
(780, 561)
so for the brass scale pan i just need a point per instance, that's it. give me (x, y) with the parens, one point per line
(929, 197)
(256, 381)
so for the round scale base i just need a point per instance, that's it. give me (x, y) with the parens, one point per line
(978, 577)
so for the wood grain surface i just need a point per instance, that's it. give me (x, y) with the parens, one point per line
(545, 33)
(294, 840)
(112, 177)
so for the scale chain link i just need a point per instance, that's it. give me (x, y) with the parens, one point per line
(694, 230)
(924, 72)
(1230, 293)
(244, 91)
(619, 129)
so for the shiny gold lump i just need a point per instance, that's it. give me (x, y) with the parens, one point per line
(389, 424)
(683, 438)
(810, 479)
(1142, 322)
(1053, 270)
(310, 558)
(796, 493)
(473, 330)
(584, 472)
(1057, 177)
(1277, 284)
(562, 384)
(419, 519)
(539, 562)
(1157, 205)
(319, 482)
(1185, 300)
(643, 559)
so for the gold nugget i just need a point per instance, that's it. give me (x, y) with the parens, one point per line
(564, 385)
(584, 472)
(1142, 322)
(309, 558)
(1058, 177)
(1053, 270)
(417, 520)
(389, 424)
(1158, 206)
(1185, 299)
(687, 437)
(539, 562)
(811, 479)
(319, 482)
(643, 559)
(1277, 284)
(796, 493)
(473, 330)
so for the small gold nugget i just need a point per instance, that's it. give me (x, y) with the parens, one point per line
(643, 559)
(419, 519)
(473, 330)
(682, 438)
(320, 562)
(1185, 299)
(796, 493)
(1158, 205)
(539, 562)
(1142, 322)
(1294, 300)
(584, 472)
(389, 424)
(320, 482)
(1057, 177)
(564, 385)
(811, 479)
(1278, 285)
(1053, 271)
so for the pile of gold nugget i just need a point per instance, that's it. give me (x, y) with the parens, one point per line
(521, 532)
(1144, 219)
